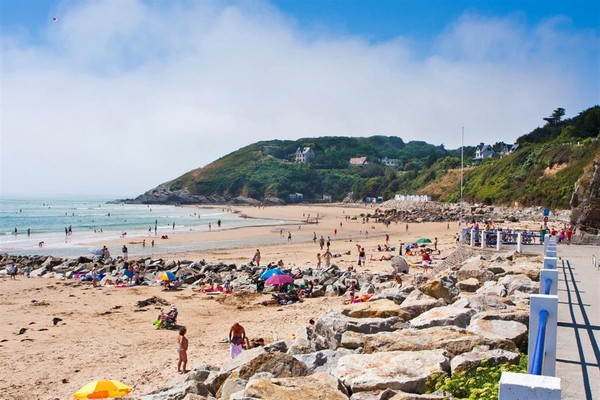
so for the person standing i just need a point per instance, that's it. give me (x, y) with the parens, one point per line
(289, 236)
(435, 242)
(237, 336)
(182, 350)
(362, 257)
(327, 256)
(318, 260)
(12, 271)
(125, 252)
(256, 258)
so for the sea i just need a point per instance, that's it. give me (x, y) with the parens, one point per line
(74, 227)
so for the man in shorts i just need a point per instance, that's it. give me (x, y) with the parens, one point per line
(237, 336)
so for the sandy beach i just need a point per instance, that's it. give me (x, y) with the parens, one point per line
(103, 334)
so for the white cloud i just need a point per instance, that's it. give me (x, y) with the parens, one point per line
(125, 95)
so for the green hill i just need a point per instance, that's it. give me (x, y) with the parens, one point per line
(542, 171)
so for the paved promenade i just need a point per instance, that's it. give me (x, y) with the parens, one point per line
(577, 353)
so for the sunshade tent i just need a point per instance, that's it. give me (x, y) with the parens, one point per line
(103, 389)
(279, 280)
(270, 272)
(423, 240)
(166, 276)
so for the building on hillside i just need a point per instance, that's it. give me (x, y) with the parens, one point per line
(327, 198)
(305, 155)
(412, 197)
(390, 162)
(295, 197)
(507, 149)
(359, 161)
(482, 152)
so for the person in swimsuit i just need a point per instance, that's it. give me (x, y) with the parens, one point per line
(182, 350)
(237, 336)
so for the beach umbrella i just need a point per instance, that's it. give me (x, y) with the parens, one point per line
(279, 280)
(270, 272)
(423, 241)
(166, 276)
(103, 389)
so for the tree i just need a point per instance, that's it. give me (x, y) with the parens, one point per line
(556, 116)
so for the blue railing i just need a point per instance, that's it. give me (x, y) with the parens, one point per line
(540, 345)
(548, 286)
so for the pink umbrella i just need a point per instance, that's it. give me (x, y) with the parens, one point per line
(279, 280)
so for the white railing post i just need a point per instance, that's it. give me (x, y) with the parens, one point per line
(551, 274)
(462, 235)
(539, 302)
(550, 262)
(524, 386)
(472, 244)
(546, 240)
(498, 240)
(519, 242)
(483, 238)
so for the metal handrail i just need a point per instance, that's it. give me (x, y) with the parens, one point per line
(548, 286)
(538, 354)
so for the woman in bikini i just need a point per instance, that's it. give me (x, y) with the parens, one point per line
(182, 350)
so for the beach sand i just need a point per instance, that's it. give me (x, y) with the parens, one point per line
(104, 335)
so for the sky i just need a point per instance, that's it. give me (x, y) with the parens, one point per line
(114, 97)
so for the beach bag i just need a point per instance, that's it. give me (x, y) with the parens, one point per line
(157, 323)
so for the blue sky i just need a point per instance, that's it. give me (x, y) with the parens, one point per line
(134, 93)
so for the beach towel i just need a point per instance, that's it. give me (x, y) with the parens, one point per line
(235, 350)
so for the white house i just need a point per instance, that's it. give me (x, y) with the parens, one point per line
(390, 162)
(305, 155)
(482, 152)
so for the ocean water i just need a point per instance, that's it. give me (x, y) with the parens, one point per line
(94, 220)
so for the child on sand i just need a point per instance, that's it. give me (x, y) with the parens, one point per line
(182, 350)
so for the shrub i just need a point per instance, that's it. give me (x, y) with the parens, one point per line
(480, 383)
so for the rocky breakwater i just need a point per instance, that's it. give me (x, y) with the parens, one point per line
(386, 348)
(432, 211)
(585, 201)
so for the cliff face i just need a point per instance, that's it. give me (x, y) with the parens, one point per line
(585, 201)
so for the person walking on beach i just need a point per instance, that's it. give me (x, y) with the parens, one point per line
(12, 271)
(314, 237)
(435, 242)
(182, 350)
(321, 242)
(237, 336)
(289, 236)
(256, 258)
(327, 256)
(318, 260)
(125, 252)
(362, 257)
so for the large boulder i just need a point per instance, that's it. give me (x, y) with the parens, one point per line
(468, 285)
(443, 316)
(401, 370)
(243, 358)
(479, 302)
(440, 288)
(477, 268)
(492, 288)
(467, 361)
(418, 302)
(320, 361)
(330, 327)
(280, 365)
(413, 396)
(192, 383)
(376, 309)
(510, 314)
(318, 386)
(450, 338)
(521, 283)
(498, 329)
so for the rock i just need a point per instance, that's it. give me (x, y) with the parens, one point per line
(243, 358)
(180, 387)
(450, 338)
(397, 370)
(412, 396)
(443, 316)
(279, 364)
(510, 314)
(439, 288)
(318, 386)
(320, 361)
(468, 285)
(352, 340)
(476, 268)
(330, 327)
(38, 272)
(467, 361)
(498, 329)
(521, 283)
(417, 303)
(479, 302)
(376, 309)
(519, 299)
(279, 345)
(231, 386)
(493, 288)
